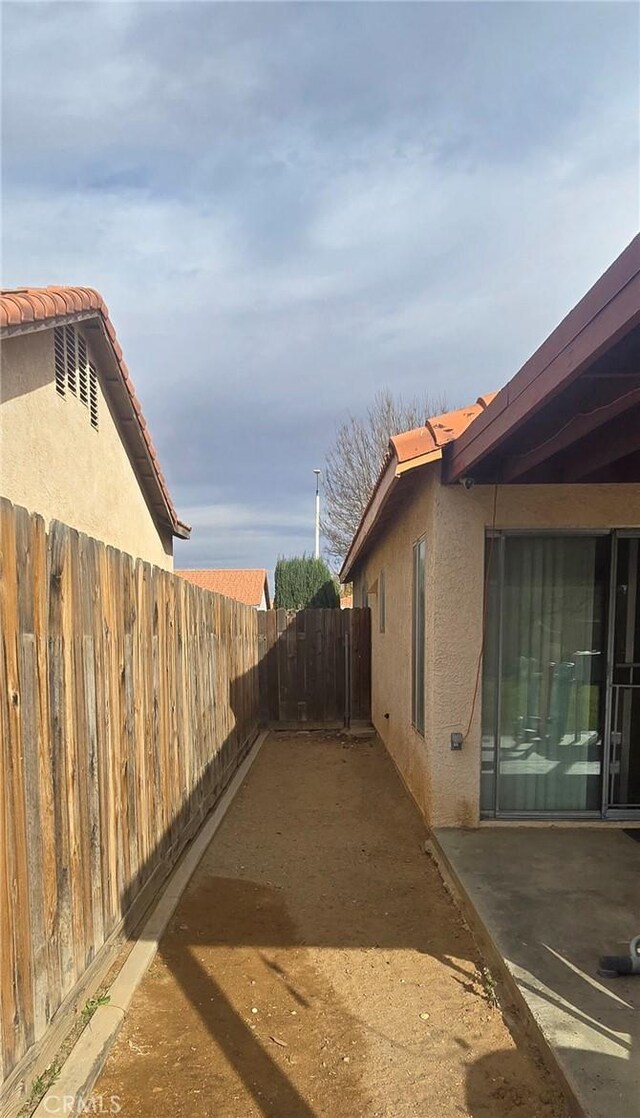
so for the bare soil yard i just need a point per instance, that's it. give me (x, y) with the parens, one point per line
(317, 968)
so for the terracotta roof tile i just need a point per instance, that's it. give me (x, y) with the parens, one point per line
(27, 306)
(417, 447)
(437, 431)
(244, 585)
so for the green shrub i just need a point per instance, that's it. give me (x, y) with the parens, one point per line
(303, 582)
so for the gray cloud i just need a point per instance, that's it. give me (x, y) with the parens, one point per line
(288, 206)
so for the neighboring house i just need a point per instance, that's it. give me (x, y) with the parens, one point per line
(250, 586)
(346, 598)
(500, 553)
(74, 445)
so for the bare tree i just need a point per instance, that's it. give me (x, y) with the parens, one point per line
(356, 456)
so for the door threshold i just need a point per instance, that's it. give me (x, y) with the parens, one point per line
(560, 821)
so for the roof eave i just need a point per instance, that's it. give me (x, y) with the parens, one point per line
(165, 513)
(95, 309)
(608, 312)
(419, 460)
(389, 479)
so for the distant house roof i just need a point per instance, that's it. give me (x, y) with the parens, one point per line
(407, 451)
(248, 585)
(26, 309)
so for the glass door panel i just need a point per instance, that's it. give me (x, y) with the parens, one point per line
(624, 764)
(544, 674)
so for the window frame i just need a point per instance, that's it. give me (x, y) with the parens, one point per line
(418, 634)
(496, 540)
(382, 602)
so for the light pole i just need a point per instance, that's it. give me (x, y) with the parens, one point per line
(317, 473)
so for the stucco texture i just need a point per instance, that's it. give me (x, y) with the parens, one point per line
(446, 783)
(52, 461)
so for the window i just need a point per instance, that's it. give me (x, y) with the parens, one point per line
(74, 373)
(382, 605)
(544, 673)
(418, 635)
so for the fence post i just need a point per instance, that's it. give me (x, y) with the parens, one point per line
(347, 616)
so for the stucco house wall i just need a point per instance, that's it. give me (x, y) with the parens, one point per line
(52, 461)
(391, 650)
(446, 783)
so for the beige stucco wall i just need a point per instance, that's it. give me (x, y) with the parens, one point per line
(52, 461)
(446, 783)
(391, 650)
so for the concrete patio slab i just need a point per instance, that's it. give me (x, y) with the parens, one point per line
(550, 901)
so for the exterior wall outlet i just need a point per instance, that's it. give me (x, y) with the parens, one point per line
(456, 741)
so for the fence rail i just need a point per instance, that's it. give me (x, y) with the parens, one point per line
(127, 699)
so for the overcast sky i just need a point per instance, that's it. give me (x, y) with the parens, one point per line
(290, 206)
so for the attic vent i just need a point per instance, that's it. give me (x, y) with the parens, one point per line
(74, 372)
(60, 362)
(83, 372)
(93, 397)
(70, 338)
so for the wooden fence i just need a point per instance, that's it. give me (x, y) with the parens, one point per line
(128, 697)
(315, 667)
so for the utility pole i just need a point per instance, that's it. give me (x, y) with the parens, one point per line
(317, 553)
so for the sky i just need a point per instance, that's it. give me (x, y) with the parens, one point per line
(288, 207)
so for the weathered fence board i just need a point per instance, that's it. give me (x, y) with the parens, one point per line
(360, 707)
(128, 697)
(315, 666)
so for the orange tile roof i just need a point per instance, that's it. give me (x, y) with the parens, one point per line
(29, 307)
(406, 451)
(437, 431)
(246, 585)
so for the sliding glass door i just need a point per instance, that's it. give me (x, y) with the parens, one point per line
(623, 790)
(544, 674)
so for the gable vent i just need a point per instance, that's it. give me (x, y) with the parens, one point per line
(74, 372)
(70, 339)
(93, 396)
(83, 372)
(60, 362)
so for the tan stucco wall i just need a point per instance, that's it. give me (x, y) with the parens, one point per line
(391, 650)
(52, 461)
(446, 783)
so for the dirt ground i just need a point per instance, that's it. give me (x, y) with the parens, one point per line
(317, 968)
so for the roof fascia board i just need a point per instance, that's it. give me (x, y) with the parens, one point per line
(48, 323)
(420, 460)
(391, 476)
(388, 482)
(129, 427)
(606, 313)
